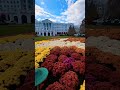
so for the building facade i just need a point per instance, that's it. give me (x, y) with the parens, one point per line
(19, 11)
(101, 6)
(49, 28)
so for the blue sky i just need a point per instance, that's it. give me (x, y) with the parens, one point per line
(64, 11)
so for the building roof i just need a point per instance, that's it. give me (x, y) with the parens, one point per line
(46, 20)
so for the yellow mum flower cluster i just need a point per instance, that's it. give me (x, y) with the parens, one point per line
(39, 42)
(14, 38)
(82, 87)
(16, 64)
(40, 54)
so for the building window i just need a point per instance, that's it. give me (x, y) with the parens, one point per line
(7, 1)
(17, 1)
(11, 1)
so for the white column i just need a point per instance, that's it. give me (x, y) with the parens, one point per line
(46, 33)
(42, 33)
(50, 33)
(54, 33)
(28, 18)
(19, 18)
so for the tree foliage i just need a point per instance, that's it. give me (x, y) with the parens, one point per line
(91, 12)
(71, 31)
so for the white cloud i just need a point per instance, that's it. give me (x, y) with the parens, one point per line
(74, 14)
(42, 3)
(69, 2)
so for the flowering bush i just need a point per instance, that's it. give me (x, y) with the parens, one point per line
(55, 86)
(79, 66)
(76, 56)
(82, 58)
(70, 79)
(59, 61)
(48, 65)
(51, 58)
(64, 52)
(76, 39)
(61, 58)
(59, 68)
(68, 62)
(79, 50)
(56, 50)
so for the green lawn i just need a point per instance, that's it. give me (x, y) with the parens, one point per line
(49, 37)
(6, 30)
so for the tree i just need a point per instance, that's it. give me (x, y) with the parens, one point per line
(91, 12)
(71, 31)
(113, 7)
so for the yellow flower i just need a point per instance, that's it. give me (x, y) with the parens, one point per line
(82, 87)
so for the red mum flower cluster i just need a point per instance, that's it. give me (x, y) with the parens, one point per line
(55, 86)
(65, 66)
(48, 65)
(76, 56)
(51, 58)
(82, 58)
(79, 50)
(70, 79)
(79, 66)
(68, 62)
(61, 58)
(59, 68)
(56, 50)
(99, 71)
(29, 82)
(64, 51)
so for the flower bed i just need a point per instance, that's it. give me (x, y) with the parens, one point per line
(82, 40)
(61, 63)
(102, 70)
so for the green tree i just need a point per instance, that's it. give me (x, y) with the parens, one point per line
(71, 31)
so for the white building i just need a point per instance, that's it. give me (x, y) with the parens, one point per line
(20, 11)
(100, 6)
(49, 28)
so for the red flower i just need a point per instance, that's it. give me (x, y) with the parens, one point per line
(48, 65)
(79, 66)
(51, 58)
(69, 79)
(55, 86)
(76, 56)
(61, 58)
(56, 50)
(59, 68)
(82, 58)
(65, 51)
(102, 86)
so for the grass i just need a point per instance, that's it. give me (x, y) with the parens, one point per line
(40, 38)
(6, 30)
(49, 37)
